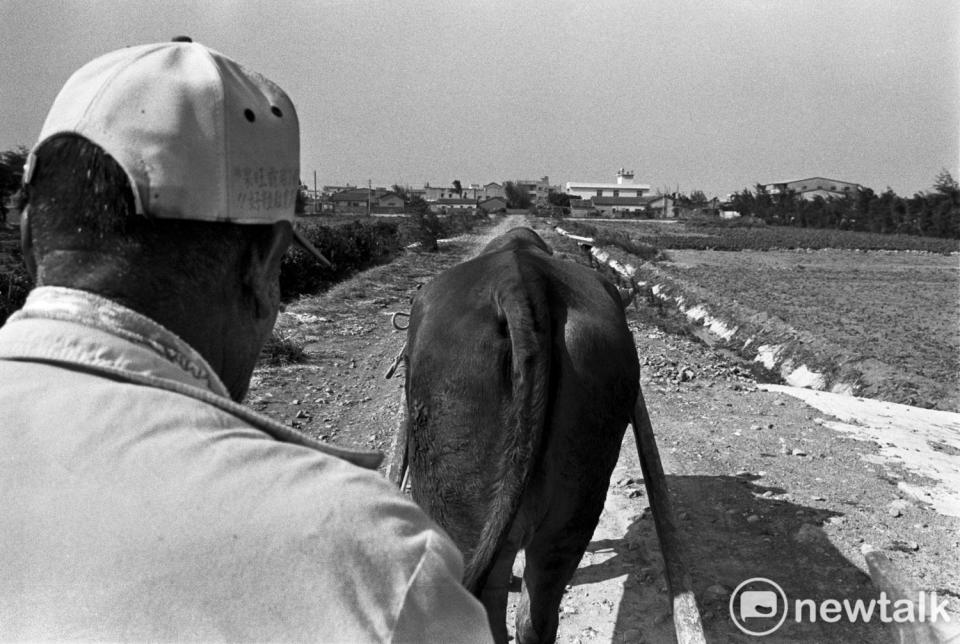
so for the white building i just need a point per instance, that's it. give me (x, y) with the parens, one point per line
(624, 187)
(809, 189)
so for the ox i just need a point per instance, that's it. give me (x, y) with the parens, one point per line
(521, 378)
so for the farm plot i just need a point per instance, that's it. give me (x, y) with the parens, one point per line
(900, 309)
(897, 309)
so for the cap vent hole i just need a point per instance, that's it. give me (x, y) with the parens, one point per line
(276, 111)
(250, 115)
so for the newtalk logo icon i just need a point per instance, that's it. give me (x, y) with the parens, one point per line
(759, 606)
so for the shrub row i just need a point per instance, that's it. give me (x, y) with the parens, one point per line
(350, 247)
(620, 239)
(708, 221)
(356, 245)
(786, 237)
(15, 282)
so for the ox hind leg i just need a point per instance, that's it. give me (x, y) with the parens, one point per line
(552, 557)
(494, 593)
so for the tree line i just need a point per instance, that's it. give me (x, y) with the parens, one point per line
(931, 214)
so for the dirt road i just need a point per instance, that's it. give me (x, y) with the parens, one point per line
(764, 484)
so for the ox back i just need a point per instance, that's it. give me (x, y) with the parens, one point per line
(522, 376)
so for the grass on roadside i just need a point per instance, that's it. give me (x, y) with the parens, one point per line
(281, 349)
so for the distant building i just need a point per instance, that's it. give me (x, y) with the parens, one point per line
(452, 205)
(351, 200)
(623, 188)
(388, 202)
(493, 204)
(432, 193)
(435, 193)
(416, 192)
(473, 191)
(814, 187)
(493, 189)
(328, 191)
(538, 190)
(662, 207)
(583, 208)
(365, 200)
(620, 206)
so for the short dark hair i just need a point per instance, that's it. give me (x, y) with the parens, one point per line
(81, 200)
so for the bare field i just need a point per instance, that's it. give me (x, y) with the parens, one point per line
(900, 308)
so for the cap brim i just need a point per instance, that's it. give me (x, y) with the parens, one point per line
(310, 248)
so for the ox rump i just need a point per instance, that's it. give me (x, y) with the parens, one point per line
(521, 378)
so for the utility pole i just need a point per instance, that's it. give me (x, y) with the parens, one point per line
(369, 190)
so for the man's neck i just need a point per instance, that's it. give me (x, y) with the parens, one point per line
(209, 320)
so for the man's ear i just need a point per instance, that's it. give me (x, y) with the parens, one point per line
(26, 243)
(262, 265)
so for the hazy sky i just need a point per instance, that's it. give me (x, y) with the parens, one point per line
(715, 96)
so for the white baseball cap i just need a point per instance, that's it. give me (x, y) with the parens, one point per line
(199, 136)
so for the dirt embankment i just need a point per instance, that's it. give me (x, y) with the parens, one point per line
(762, 484)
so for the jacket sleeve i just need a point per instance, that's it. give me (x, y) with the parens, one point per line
(436, 606)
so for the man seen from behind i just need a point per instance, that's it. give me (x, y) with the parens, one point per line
(141, 501)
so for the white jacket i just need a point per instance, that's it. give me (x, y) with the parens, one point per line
(139, 503)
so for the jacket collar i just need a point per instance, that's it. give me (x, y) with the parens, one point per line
(73, 327)
(160, 351)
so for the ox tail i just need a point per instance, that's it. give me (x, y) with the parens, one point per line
(686, 616)
(523, 307)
